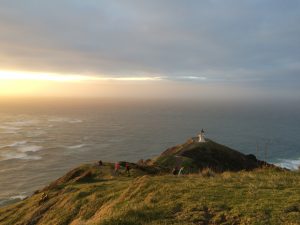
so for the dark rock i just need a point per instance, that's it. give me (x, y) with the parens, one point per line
(251, 157)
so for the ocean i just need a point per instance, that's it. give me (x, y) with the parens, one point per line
(42, 139)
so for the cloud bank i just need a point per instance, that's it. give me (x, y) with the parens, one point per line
(250, 42)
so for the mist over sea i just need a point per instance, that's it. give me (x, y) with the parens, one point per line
(41, 140)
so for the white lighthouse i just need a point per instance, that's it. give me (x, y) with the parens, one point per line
(201, 136)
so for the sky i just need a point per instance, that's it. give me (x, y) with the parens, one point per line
(157, 48)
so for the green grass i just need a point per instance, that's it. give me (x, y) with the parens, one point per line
(265, 196)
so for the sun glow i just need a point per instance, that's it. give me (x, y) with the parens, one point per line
(19, 83)
(19, 75)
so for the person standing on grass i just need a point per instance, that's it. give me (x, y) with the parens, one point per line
(117, 168)
(127, 168)
(180, 171)
(175, 171)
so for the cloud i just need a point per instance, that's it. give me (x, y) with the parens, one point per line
(212, 41)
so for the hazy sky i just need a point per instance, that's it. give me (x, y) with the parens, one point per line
(196, 46)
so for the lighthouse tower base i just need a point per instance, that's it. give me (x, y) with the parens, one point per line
(201, 138)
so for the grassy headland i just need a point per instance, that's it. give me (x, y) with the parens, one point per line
(92, 195)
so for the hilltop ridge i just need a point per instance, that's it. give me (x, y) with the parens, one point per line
(194, 156)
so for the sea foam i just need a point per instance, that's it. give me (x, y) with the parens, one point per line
(17, 155)
(64, 120)
(292, 164)
(19, 150)
(29, 148)
(17, 143)
(76, 146)
(22, 123)
(9, 129)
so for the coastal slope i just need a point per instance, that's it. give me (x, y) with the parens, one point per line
(95, 195)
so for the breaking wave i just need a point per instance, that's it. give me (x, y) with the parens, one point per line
(19, 150)
(15, 144)
(17, 155)
(292, 164)
(22, 123)
(13, 198)
(64, 120)
(9, 129)
(29, 148)
(76, 146)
